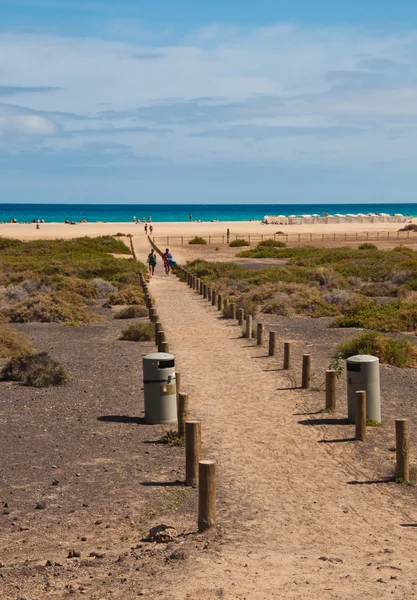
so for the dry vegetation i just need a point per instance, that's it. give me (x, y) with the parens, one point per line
(365, 287)
(36, 370)
(13, 343)
(58, 281)
(139, 332)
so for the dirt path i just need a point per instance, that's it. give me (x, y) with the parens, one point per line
(291, 525)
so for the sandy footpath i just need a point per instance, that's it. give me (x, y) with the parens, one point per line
(292, 526)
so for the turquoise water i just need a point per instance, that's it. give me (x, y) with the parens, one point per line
(113, 213)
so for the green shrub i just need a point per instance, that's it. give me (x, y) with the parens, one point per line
(37, 370)
(391, 316)
(367, 246)
(198, 240)
(139, 332)
(132, 312)
(130, 294)
(58, 307)
(396, 352)
(238, 243)
(409, 227)
(13, 343)
(270, 244)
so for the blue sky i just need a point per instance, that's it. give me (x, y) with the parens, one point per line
(232, 101)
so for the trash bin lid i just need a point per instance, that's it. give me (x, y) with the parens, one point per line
(160, 360)
(362, 358)
(159, 356)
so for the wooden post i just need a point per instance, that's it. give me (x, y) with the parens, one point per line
(209, 291)
(165, 347)
(260, 334)
(306, 374)
(360, 417)
(213, 298)
(232, 310)
(331, 390)
(178, 386)
(402, 436)
(248, 327)
(201, 287)
(219, 301)
(158, 328)
(240, 315)
(205, 291)
(192, 451)
(287, 355)
(161, 340)
(152, 315)
(182, 413)
(272, 343)
(225, 304)
(206, 494)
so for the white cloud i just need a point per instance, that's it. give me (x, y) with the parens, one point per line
(357, 86)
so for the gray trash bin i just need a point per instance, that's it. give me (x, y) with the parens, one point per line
(160, 388)
(362, 373)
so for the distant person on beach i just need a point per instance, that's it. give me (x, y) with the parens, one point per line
(152, 261)
(150, 229)
(146, 228)
(191, 218)
(167, 258)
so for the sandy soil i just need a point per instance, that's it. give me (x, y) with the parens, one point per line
(292, 526)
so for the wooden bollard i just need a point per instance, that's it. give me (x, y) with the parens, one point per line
(360, 417)
(287, 355)
(225, 304)
(213, 298)
(206, 494)
(219, 302)
(165, 347)
(178, 386)
(158, 328)
(260, 332)
(306, 373)
(204, 290)
(272, 343)
(233, 310)
(240, 316)
(161, 340)
(201, 287)
(331, 380)
(152, 313)
(402, 436)
(192, 451)
(182, 413)
(209, 291)
(248, 326)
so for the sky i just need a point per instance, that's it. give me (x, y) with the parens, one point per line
(188, 101)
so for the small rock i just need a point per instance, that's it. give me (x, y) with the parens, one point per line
(162, 534)
(85, 505)
(23, 528)
(83, 539)
(380, 580)
(97, 555)
(74, 554)
(40, 505)
(330, 559)
(98, 522)
(178, 555)
(106, 305)
(55, 482)
(49, 563)
(6, 511)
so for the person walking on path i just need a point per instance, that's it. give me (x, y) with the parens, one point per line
(167, 258)
(150, 229)
(152, 261)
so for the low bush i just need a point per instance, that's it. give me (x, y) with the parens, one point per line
(58, 307)
(132, 312)
(130, 294)
(13, 343)
(410, 227)
(37, 370)
(391, 316)
(139, 332)
(270, 244)
(103, 288)
(396, 352)
(367, 246)
(198, 240)
(238, 243)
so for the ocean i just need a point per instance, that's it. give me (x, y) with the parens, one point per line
(114, 213)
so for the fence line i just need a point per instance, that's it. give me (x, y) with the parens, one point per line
(293, 238)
